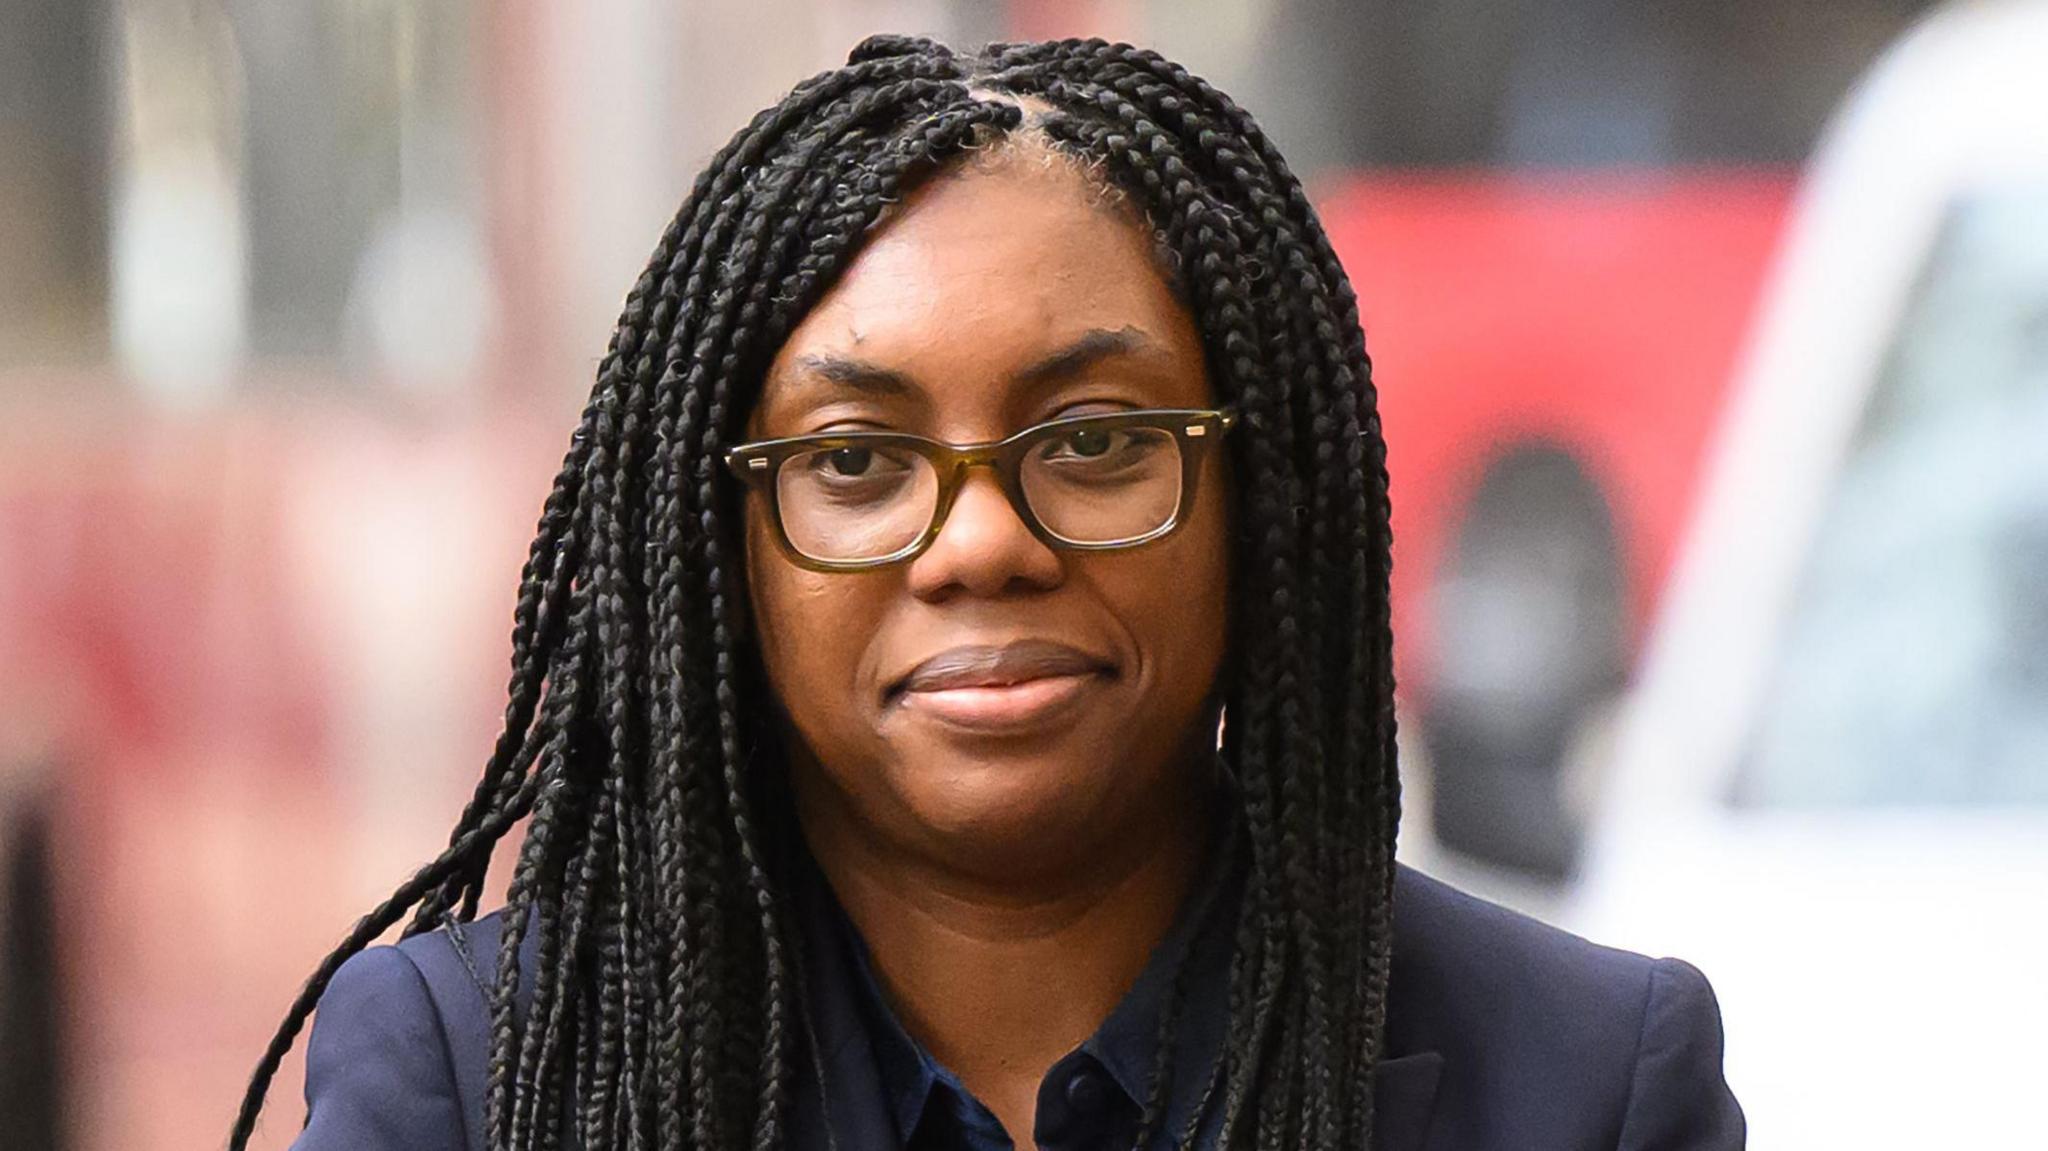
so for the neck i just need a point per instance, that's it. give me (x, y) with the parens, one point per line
(998, 980)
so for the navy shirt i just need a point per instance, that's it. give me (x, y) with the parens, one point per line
(1092, 1097)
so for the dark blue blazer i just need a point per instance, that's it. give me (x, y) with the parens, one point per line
(1502, 1035)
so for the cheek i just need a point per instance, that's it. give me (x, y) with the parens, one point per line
(1175, 596)
(1203, 559)
(809, 626)
(1200, 589)
(1204, 603)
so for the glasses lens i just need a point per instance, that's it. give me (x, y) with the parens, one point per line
(855, 503)
(1103, 485)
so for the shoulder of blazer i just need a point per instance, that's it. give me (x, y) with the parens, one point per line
(459, 963)
(378, 1069)
(1542, 1032)
(1443, 933)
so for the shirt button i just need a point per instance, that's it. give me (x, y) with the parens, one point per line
(1087, 1093)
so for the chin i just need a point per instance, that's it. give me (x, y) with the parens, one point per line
(1008, 812)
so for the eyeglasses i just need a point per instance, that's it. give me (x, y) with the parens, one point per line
(849, 501)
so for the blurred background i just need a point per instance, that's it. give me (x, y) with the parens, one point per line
(1712, 342)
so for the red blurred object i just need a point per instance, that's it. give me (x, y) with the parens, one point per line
(1597, 312)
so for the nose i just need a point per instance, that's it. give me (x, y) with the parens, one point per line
(983, 548)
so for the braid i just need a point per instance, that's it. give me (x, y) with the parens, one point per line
(666, 1009)
(1328, 681)
(1211, 257)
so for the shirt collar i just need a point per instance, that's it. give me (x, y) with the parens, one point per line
(892, 1070)
(1127, 1043)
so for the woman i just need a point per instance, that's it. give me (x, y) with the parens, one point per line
(952, 693)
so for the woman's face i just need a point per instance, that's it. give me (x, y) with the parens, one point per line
(996, 298)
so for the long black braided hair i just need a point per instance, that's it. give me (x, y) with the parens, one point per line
(653, 871)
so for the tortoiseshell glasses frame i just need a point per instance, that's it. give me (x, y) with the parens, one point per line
(1191, 431)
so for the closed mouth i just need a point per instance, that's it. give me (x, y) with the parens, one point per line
(993, 666)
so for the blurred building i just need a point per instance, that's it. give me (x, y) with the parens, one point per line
(293, 161)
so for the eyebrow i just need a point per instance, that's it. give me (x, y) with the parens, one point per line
(857, 374)
(1092, 347)
(1095, 345)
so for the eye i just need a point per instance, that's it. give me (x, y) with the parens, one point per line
(1096, 446)
(1086, 443)
(854, 468)
(848, 461)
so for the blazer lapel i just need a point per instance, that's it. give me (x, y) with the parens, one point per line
(1404, 1098)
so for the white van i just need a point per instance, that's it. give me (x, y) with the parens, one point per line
(1830, 786)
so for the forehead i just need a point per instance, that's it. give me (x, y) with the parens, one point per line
(1027, 235)
(987, 269)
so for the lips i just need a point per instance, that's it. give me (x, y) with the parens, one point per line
(989, 665)
(996, 687)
